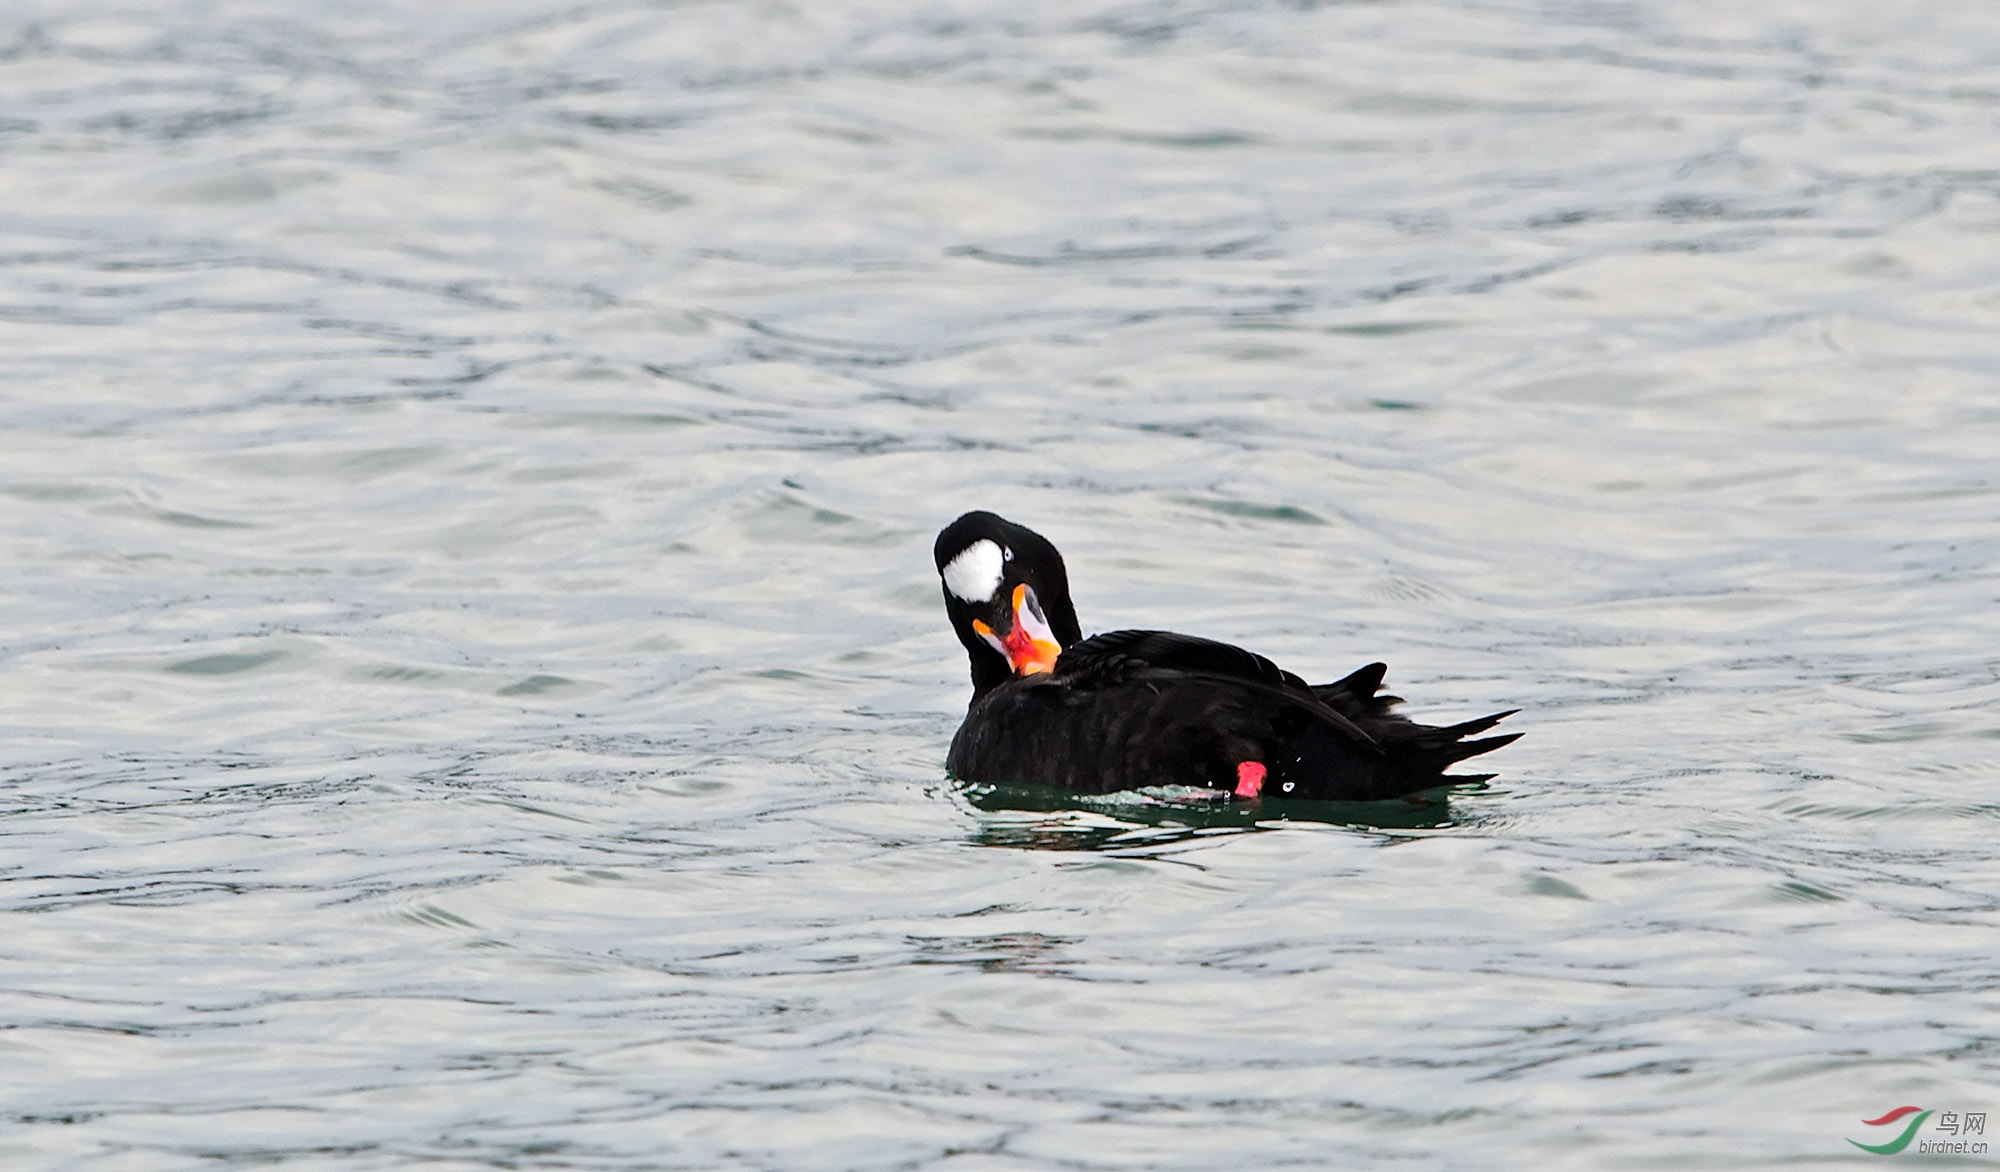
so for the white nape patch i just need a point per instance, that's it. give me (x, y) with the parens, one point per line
(974, 575)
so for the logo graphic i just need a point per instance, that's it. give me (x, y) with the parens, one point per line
(1949, 1122)
(1900, 1142)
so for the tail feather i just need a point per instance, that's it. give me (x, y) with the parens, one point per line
(1354, 696)
(1420, 762)
(1456, 732)
(1362, 681)
(1416, 755)
(1459, 751)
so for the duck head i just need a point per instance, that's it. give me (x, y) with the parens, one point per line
(1007, 593)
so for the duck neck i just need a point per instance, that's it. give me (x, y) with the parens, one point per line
(989, 670)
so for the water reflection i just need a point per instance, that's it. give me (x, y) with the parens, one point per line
(1004, 952)
(1039, 818)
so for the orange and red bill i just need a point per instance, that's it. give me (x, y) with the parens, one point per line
(1028, 643)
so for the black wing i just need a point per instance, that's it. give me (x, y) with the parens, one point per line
(1118, 656)
(1120, 652)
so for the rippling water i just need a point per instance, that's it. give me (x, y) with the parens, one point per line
(474, 683)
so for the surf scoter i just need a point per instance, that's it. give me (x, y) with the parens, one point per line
(1151, 708)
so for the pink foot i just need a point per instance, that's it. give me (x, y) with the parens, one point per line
(1250, 779)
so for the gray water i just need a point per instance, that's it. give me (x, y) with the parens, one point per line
(474, 684)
